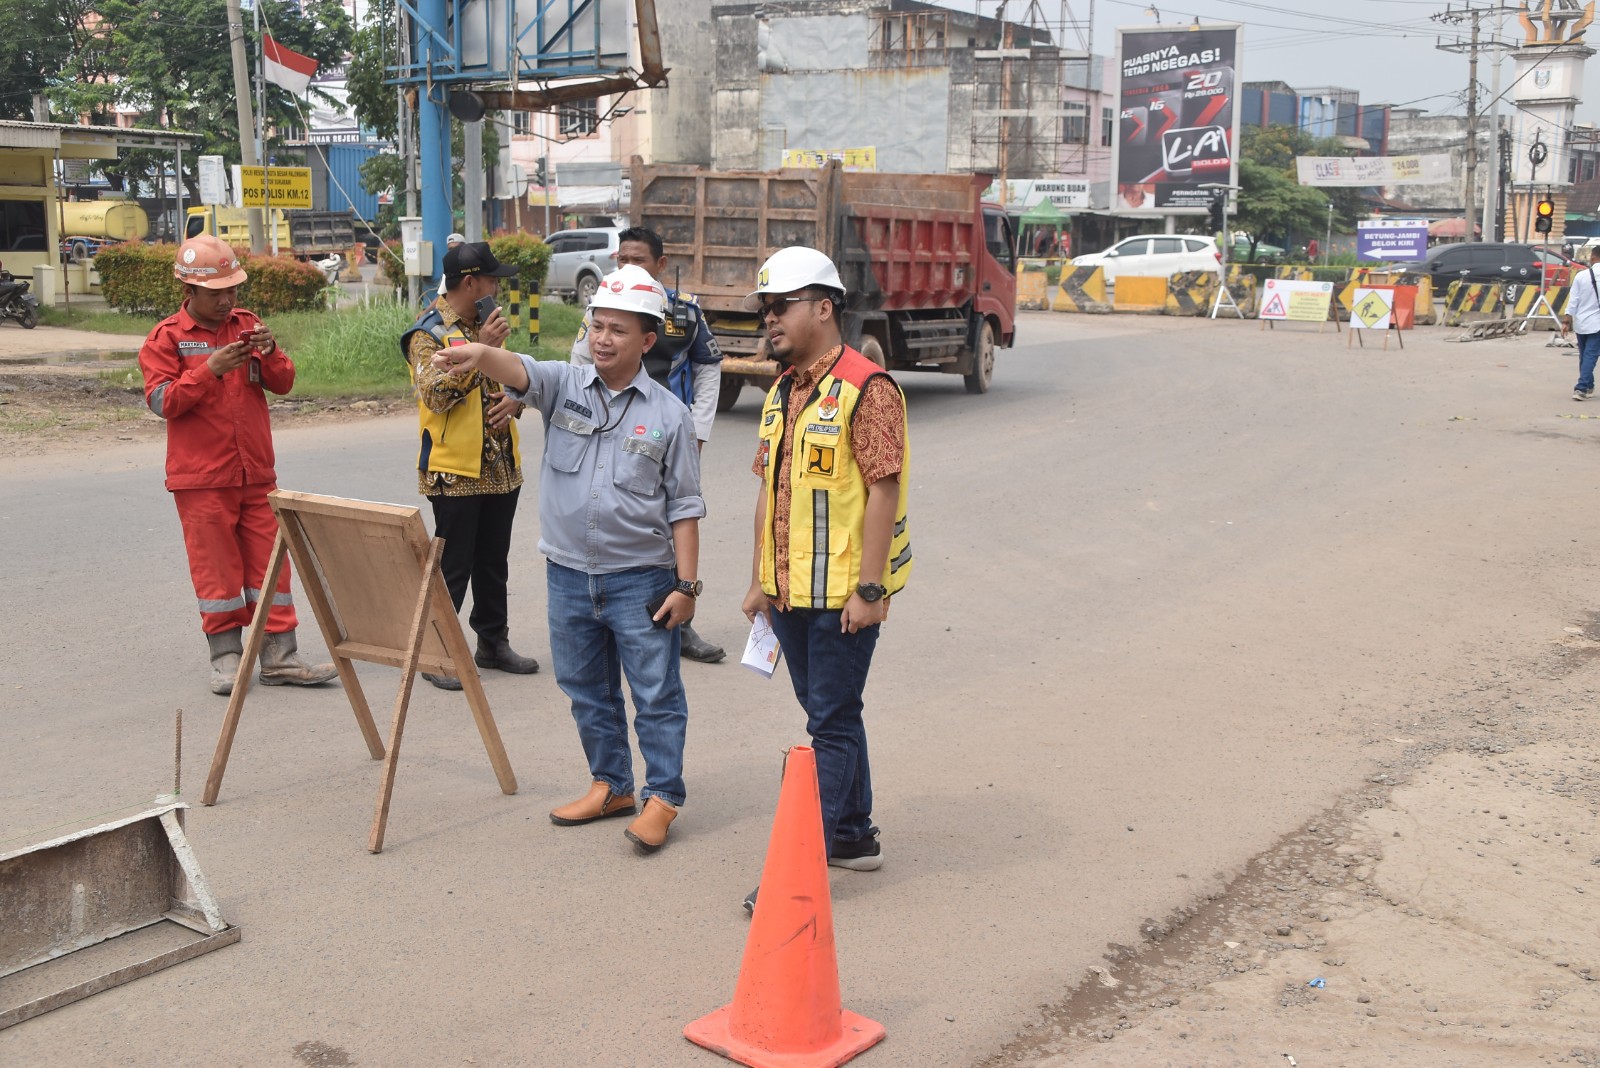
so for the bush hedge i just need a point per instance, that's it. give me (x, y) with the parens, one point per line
(391, 264)
(137, 279)
(529, 255)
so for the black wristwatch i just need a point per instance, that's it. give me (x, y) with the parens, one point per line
(689, 588)
(871, 591)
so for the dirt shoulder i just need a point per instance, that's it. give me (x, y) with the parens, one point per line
(1443, 914)
(71, 389)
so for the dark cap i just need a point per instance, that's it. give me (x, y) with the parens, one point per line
(475, 258)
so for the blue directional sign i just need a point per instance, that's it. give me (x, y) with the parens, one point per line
(1391, 239)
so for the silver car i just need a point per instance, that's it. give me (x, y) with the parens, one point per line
(579, 259)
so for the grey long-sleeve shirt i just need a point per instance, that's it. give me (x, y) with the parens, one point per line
(617, 472)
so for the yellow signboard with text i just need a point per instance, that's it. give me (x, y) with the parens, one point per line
(854, 159)
(1296, 302)
(290, 187)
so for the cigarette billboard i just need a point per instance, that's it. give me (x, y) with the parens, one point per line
(1178, 101)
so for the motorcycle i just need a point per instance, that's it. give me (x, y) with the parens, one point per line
(16, 302)
(330, 267)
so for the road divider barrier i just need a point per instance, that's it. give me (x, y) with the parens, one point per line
(1472, 298)
(1081, 289)
(1242, 287)
(1189, 292)
(1140, 294)
(1520, 302)
(1033, 287)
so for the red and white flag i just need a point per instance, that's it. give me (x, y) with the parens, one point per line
(286, 67)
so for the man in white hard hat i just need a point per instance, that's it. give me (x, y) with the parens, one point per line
(685, 359)
(832, 544)
(206, 369)
(451, 242)
(619, 523)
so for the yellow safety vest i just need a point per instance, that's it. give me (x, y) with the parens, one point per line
(828, 498)
(451, 441)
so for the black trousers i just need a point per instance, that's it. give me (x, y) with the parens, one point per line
(477, 547)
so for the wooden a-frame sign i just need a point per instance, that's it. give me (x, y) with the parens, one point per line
(372, 577)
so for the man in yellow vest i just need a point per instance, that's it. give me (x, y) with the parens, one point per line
(832, 545)
(468, 464)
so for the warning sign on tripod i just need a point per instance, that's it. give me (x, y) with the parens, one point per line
(1371, 310)
(1386, 308)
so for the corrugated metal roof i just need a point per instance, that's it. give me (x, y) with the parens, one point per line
(30, 135)
(101, 140)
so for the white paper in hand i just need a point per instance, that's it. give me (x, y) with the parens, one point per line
(761, 651)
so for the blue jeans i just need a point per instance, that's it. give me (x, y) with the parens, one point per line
(829, 670)
(599, 629)
(1588, 352)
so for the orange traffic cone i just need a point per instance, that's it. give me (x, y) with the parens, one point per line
(785, 1011)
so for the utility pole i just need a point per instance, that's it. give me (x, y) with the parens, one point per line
(1491, 198)
(1472, 47)
(247, 134)
(472, 179)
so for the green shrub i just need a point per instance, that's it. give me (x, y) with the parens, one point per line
(138, 279)
(391, 265)
(529, 255)
(280, 284)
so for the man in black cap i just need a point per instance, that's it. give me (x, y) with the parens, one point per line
(468, 465)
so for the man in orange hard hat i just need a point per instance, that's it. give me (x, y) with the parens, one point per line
(206, 370)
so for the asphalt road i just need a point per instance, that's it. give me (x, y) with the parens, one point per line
(1176, 582)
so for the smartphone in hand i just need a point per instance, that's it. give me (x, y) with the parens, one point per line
(655, 606)
(486, 307)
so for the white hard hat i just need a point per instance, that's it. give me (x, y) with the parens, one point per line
(792, 268)
(631, 288)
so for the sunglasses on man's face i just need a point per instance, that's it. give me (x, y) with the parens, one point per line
(779, 305)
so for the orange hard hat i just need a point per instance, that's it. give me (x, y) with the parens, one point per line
(208, 262)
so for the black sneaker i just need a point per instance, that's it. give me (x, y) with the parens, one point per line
(750, 901)
(857, 854)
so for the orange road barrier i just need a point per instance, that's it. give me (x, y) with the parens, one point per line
(786, 1011)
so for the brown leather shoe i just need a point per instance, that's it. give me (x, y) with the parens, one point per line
(598, 804)
(648, 833)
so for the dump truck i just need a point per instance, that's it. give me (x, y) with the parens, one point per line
(305, 235)
(87, 226)
(929, 268)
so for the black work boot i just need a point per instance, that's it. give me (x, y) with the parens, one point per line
(497, 653)
(443, 682)
(697, 648)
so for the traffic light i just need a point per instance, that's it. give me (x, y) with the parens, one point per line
(1219, 202)
(539, 178)
(1544, 215)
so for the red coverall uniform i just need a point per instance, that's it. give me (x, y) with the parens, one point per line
(219, 463)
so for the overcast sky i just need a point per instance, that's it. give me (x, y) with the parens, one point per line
(1384, 49)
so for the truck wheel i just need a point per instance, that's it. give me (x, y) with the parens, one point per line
(729, 393)
(982, 362)
(586, 287)
(873, 351)
(80, 252)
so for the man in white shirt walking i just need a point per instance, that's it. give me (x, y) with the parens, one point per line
(1583, 317)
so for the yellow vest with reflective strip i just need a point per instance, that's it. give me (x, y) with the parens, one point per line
(828, 498)
(452, 441)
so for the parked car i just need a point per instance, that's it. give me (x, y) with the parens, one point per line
(1155, 255)
(1490, 261)
(579, 259)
